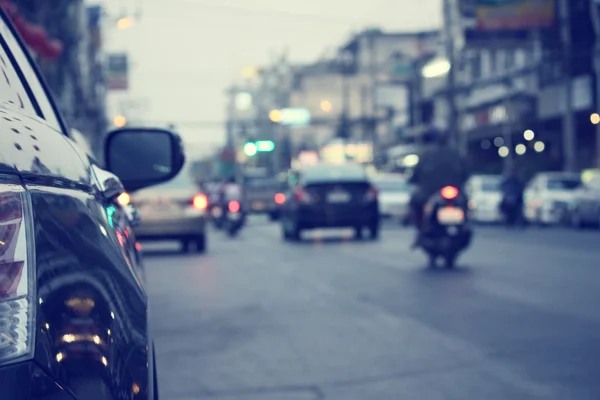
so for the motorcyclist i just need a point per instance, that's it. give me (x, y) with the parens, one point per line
(438, 167)
(230, 191)
(512, 194)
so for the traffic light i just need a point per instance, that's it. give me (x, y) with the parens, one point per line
(250, 149)
(265, 145)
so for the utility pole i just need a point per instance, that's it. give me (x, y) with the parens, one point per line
(453, 119)
(595, 4)
(568, 126)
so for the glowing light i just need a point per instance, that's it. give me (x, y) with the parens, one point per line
(280, 198)
(539, 146)
(59, 357)
(326, 106)
(528, 134)
(498, 142)
(125, 23)
(234, 206)
(104, 361)
(250, 72)
(112, 315)
(449, 192)
(275, 116)
(119, 121)
(411, 160)
(200, 202)
(436, 68)
(124, 199)
(520, 149)
(595, 118)
(250, 149)
(503, 151)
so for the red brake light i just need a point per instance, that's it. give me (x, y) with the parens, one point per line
(234, 206)
(371, 194)
(280, 198)
(449, 192)
(200, 202)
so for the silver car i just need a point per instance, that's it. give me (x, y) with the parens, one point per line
(175, 210)
(394, 197)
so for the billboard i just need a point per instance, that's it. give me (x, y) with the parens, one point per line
(505, 20)
(117, 72)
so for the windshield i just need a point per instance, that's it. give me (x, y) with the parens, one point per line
(563, 184)
(490, 186)
(347, 172)
(392, 185)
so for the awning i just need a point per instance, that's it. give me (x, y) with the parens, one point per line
(34, 35)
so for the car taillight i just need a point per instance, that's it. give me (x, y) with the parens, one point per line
(371, 194)
(124, 199)
(280, 198)
(16, 274)
(302, 196)
(449, 192)
(233, 206)
(200, 202)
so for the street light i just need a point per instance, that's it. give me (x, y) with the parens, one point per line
(250, 149)
(119, 121)
(436, 68)
(326, 106)
(125, 23)
(595, 118)
(275, 116)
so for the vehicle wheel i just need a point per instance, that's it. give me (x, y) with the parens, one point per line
(374, 232)
(201, 244)
(450, 261)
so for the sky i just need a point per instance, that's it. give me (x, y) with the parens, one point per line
(185, 53)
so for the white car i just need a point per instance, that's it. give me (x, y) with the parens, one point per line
(484, 198)
(394, 197)
(547, 194)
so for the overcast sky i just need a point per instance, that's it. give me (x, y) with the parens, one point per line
(185, 53)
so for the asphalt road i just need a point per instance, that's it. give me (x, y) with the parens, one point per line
(335, 318)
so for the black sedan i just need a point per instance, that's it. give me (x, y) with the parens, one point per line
(331, 196)
(73, 306)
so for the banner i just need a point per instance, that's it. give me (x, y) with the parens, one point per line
(117, 72)
(498, 20)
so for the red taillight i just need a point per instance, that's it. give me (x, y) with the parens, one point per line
(200, 202)
(371, 194)
(449, 192)
(302, 196)
(233, 206)
(280, 198)
(16, 274)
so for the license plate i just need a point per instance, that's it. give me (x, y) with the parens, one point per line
(450, 216)
(233, 216)
(258, 205)
(216, 212)
(338, 197)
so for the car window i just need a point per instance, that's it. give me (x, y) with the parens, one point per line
(490, 185)
(12, 90)
(38, 95)
(562, 184)
(334, 173)
(392, 185)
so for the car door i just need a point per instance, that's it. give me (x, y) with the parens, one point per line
(82, 330)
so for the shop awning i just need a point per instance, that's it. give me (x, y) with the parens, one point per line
(34, 35)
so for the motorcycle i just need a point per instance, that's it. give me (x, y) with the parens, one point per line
(216, 215)
(234, 218)
(446, 231)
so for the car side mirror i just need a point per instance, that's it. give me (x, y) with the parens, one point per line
(143, 157)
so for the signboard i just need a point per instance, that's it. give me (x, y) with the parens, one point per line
(117, 72)
(295, 117)
(505, 20)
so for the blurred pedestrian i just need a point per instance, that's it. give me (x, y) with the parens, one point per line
(511, 204)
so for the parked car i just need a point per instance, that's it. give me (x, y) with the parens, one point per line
(176, 210)
(73, 304)
(394, 197)
(328, 196)
(548, 194)
(485, 197)
(585, 209)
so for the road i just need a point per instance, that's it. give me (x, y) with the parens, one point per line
(256, 318)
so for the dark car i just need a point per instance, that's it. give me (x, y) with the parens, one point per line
(73, 303)
(331, 195)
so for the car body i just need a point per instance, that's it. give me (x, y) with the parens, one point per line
(328, 196)
(485, 196)
(585, 207)
(175, 210)
(259, 195)
(394, 196)
(73, 306)
(548, 194)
